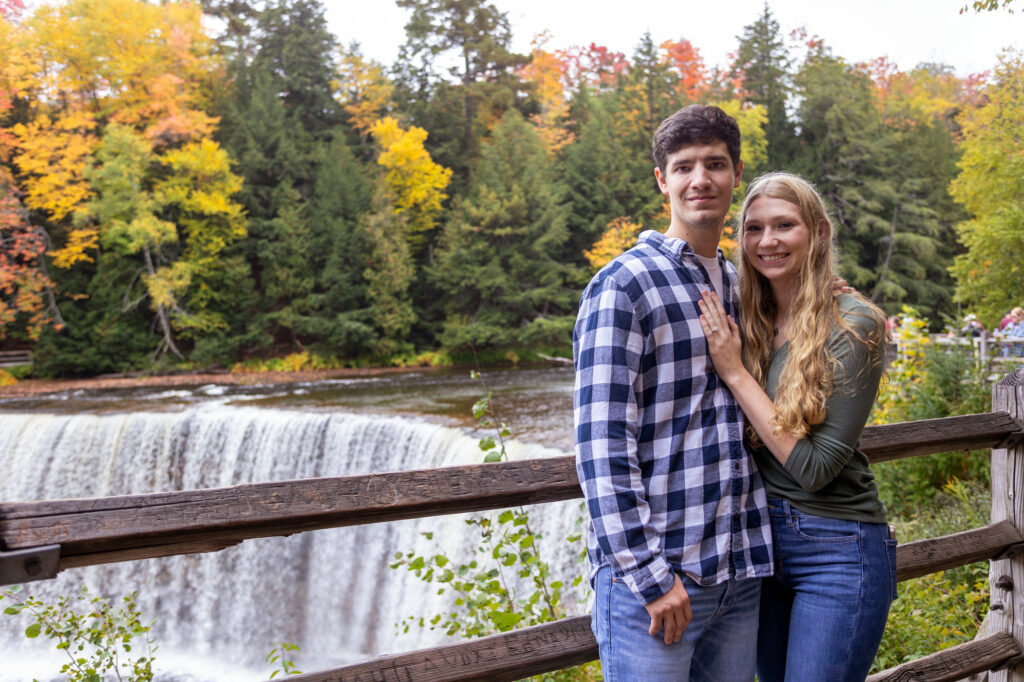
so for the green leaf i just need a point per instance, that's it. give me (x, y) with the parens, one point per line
(487, 443)
(32, 631)
(492, 457)
(416, 563)
(14, 610)
(481, 406)
(506, 516)
(505, 621)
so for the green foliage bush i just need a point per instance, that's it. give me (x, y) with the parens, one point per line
(928, 381)
(97, 637)
(942, 609)
(507, 584)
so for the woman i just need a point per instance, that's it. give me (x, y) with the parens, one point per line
(806, 374)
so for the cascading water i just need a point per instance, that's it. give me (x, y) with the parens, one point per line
(218, 614)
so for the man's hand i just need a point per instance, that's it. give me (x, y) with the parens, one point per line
(671, 610)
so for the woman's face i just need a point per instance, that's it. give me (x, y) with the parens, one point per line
(776, 240)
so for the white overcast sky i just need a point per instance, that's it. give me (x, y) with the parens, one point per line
(907, 31)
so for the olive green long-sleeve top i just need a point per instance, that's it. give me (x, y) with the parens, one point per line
(826, 474)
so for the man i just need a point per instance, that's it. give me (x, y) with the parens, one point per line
(679, 535)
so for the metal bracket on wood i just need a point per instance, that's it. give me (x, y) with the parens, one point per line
(27, 565)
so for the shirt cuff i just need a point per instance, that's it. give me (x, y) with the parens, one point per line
(651, 581)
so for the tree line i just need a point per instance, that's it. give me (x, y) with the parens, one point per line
(198, 184)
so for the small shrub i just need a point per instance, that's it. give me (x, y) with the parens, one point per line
(939, 610)
(97, 637)
(280, 658)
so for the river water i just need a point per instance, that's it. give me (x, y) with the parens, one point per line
(331, 591)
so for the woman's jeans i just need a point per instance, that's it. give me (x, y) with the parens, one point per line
(717, 645)
(824, 611)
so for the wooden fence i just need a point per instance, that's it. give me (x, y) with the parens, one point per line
(13, 358)
(991, 351)
(39, 539)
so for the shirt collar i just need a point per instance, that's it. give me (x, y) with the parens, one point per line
(674, 247)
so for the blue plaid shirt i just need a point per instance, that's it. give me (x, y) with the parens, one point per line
(659, 438)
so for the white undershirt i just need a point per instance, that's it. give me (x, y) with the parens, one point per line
(714, 271)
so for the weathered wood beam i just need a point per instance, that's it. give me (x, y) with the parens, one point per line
(507, 656)
(189, 521)
(928, 436)
(955, 663)
(919, 558)
(103, 530)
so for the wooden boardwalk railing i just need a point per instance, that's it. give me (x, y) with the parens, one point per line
(13, 358)
(38, 539)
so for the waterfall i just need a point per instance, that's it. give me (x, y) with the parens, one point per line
(218, 614)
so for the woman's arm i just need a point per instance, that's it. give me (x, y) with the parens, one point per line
(724, 347)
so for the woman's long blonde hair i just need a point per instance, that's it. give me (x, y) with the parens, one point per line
(807, 379)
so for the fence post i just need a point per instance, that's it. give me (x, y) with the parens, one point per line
(1006, 575)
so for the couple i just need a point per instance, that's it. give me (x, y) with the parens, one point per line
(697, 554)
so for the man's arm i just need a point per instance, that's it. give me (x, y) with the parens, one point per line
(608, 346)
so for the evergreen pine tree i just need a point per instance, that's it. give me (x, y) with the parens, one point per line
(502, 264)
(762, 64)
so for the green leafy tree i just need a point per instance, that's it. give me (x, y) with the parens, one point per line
(502, 264)
(456, 104)
(990, 186)
(888, 231)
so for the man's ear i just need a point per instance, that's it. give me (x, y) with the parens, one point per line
(824, 230)
(661, 180)
(739, 174)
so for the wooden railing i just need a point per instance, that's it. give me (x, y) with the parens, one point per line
(39, 539)
(988, 348)
(13, 358)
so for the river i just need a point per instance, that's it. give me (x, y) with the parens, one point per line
(332, 591)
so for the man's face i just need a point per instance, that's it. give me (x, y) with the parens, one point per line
(698, 181)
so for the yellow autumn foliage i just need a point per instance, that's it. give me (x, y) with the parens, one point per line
(416, 182)
(363, 89)
(620, 235)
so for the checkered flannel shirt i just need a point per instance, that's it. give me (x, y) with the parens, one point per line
(659, 439)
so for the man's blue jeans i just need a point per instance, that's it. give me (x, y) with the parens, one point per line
(824, 610)
(717, 645)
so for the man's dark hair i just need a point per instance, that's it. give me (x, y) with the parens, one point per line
(695, 124)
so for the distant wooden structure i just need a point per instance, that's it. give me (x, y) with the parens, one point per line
(988, 349)
(38, 539)
(13, 358)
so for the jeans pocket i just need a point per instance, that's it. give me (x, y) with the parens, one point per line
(890, 551)
(824, 529)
